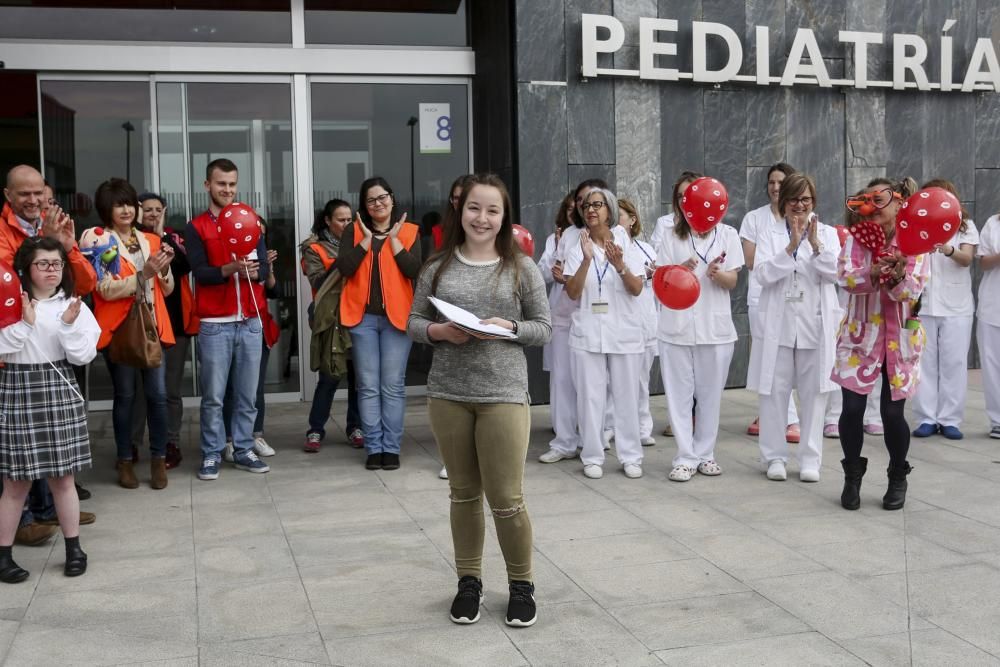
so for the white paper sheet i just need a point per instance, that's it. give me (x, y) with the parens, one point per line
(468, 321)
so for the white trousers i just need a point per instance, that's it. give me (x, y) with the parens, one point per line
(989, 357)
(562, 394)
(594, 373)
(645, 416)
(944, 371)
(873, 409)
(694, 372)
(756, 329)
(799, 369)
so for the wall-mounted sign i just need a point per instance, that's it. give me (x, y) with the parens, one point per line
(435, 128)
(805, 60)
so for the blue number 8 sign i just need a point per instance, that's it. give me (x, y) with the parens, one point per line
(444, 128)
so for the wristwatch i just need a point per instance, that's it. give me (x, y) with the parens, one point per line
(622, 272)
(514, 323)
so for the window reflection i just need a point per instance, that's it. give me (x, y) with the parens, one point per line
(390, 22)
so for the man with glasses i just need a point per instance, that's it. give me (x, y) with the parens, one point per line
(29, 211)
(228, 298)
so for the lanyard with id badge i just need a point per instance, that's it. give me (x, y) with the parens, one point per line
(794, 293)
(600, 307)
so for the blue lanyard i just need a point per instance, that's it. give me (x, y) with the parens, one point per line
(600, 274)
(704, 257)
(795, 253)
(643, 250)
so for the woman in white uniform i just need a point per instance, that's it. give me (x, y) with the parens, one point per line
(988, 331)
(606, 335)
(629, 219)
(799, 312)
(696, 344)
(562, 388)
(946, 310)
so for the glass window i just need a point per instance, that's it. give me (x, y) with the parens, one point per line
(91, 131)
(388, 22)
(150, 21)
(362, 130)
(18, 119)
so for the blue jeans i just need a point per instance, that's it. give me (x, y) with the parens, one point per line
(154, 383)
(225, 347)
(323, 400)
(380, 352)
(227, 404)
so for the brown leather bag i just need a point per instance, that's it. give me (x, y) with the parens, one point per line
(136, 341)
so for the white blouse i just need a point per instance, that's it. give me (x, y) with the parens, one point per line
(51, 339)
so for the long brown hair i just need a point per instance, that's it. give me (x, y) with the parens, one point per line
(563, 220)
(635, 228)
(681, 227)
(945, 184)
(454, 236)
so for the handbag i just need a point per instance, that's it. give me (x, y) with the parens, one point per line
(136, 341)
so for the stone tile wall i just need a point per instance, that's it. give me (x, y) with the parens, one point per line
(639, 135)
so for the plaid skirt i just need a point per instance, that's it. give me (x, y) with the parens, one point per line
(43, 423)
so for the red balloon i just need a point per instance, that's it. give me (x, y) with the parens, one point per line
(239, 227)
(10, 296)
(676, 286)
(524, 240)
(842, 234)
(928, 218)
(704, 204)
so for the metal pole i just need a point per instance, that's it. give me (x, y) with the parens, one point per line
(412, 122)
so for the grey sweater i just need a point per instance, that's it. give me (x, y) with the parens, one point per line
(482, 371)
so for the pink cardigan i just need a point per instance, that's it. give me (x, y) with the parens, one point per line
(874, 330)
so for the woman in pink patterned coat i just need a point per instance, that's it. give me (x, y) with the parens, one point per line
(880, 336)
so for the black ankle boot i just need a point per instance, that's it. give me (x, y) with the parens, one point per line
(76, 561)
(11, 572)
(850, 498)
(895, 495)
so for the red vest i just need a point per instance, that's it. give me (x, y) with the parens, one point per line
(220, 300)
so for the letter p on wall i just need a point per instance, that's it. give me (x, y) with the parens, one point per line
(592, 45)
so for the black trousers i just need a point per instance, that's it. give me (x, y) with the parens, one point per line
(852, 430)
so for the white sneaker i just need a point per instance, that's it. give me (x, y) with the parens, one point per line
(593, 471)
(227, 452)
(443, 474)
(608, 435)
(809, 475)
(633, 470)
(648, 441)
(260, 446)
(776, 471)
(680, 474)
(554, 455)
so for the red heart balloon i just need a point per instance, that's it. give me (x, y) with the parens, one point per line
(239, 227)
(524, 240)
(928, 218)
(704, 204)
(676, 286)
(10, 296)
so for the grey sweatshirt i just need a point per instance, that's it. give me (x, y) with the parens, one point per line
(482, 371)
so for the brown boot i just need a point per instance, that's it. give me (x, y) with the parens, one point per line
(126, 474)
(158, 472)
(34, 534)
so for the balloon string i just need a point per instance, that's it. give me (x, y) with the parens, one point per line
(253, 297)
(56, 369)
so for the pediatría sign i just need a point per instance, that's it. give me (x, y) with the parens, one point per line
(804, 64)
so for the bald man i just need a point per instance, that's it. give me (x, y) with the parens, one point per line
(22, 218)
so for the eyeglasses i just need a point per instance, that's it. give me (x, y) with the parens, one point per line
(882, 198)
(592, 205)
(804, 201)
(383, 199)
(49, 265)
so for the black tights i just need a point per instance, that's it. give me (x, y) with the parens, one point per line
(852, 430)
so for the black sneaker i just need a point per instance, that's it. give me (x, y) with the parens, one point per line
(521, 606)
(390, 461)
(465, 607)
(374, 461)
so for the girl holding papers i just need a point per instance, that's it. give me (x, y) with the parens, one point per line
(478, 388)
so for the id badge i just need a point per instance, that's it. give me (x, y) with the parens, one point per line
(794, 292)
(599, 307)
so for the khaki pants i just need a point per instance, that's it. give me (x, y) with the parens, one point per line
(483, 446)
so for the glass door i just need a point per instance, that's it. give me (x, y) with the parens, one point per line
(249, 123)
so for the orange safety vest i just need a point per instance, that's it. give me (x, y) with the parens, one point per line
(397, 289)
(323, 257)
(191, 321)
(12, 236)
(110, 314)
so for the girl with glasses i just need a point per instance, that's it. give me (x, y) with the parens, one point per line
(43, 430)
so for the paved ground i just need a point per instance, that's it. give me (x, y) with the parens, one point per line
(322, 562)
